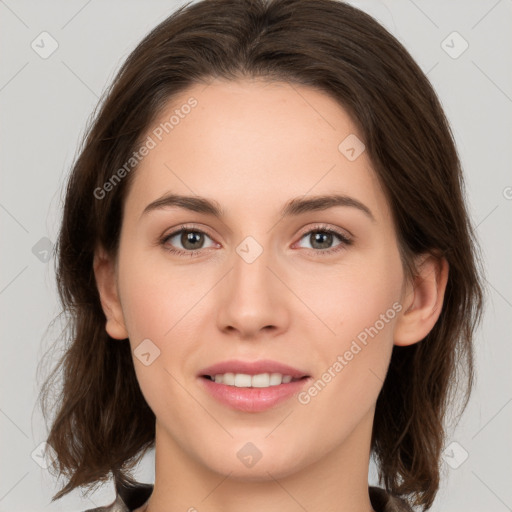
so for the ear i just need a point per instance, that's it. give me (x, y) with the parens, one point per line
(422, 300)
(106, 281)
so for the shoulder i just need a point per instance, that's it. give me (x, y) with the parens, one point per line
(382, 501)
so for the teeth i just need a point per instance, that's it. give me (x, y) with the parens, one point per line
(242, 380)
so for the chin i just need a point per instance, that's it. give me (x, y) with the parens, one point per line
(267, 462)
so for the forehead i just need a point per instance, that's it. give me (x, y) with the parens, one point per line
(254, 141)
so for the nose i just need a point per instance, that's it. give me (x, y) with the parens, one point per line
(253, 299)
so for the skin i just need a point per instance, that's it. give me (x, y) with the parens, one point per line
(252, 146)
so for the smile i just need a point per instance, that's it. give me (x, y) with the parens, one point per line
(244, 380)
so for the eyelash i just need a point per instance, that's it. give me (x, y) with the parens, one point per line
(345, 241)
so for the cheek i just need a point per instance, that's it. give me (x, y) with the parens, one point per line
(360, 304)
(369, 308)
(158, 308)
(164, 308)
(353, 296)
(352, 363)
(156, 295)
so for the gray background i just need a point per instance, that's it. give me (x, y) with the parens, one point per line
(45, 106)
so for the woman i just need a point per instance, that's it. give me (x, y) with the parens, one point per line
(263, 371)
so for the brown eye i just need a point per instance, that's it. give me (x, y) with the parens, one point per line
(185, 241)
(192, 239)
(321, 240)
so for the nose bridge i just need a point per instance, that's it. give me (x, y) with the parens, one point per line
(251, 261)
(252, 298)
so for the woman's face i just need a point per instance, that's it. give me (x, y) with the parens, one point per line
(318, 289)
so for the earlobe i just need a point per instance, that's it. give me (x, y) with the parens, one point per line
(104, 272)
(423, 301)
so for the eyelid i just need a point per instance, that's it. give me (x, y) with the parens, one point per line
(344, 233)
(186, 227)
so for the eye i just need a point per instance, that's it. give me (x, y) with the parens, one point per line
(321, 239)
(191, 239)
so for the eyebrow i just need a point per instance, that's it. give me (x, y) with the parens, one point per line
(295, 206)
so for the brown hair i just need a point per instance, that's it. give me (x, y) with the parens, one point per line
(345, 53)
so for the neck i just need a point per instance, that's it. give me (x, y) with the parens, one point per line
(335, 482)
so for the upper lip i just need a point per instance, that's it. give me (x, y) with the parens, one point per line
(252, 368)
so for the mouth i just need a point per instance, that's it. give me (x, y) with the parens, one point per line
(252, 386)
(256, 374)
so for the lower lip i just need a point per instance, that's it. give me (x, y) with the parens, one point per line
(253, 399)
